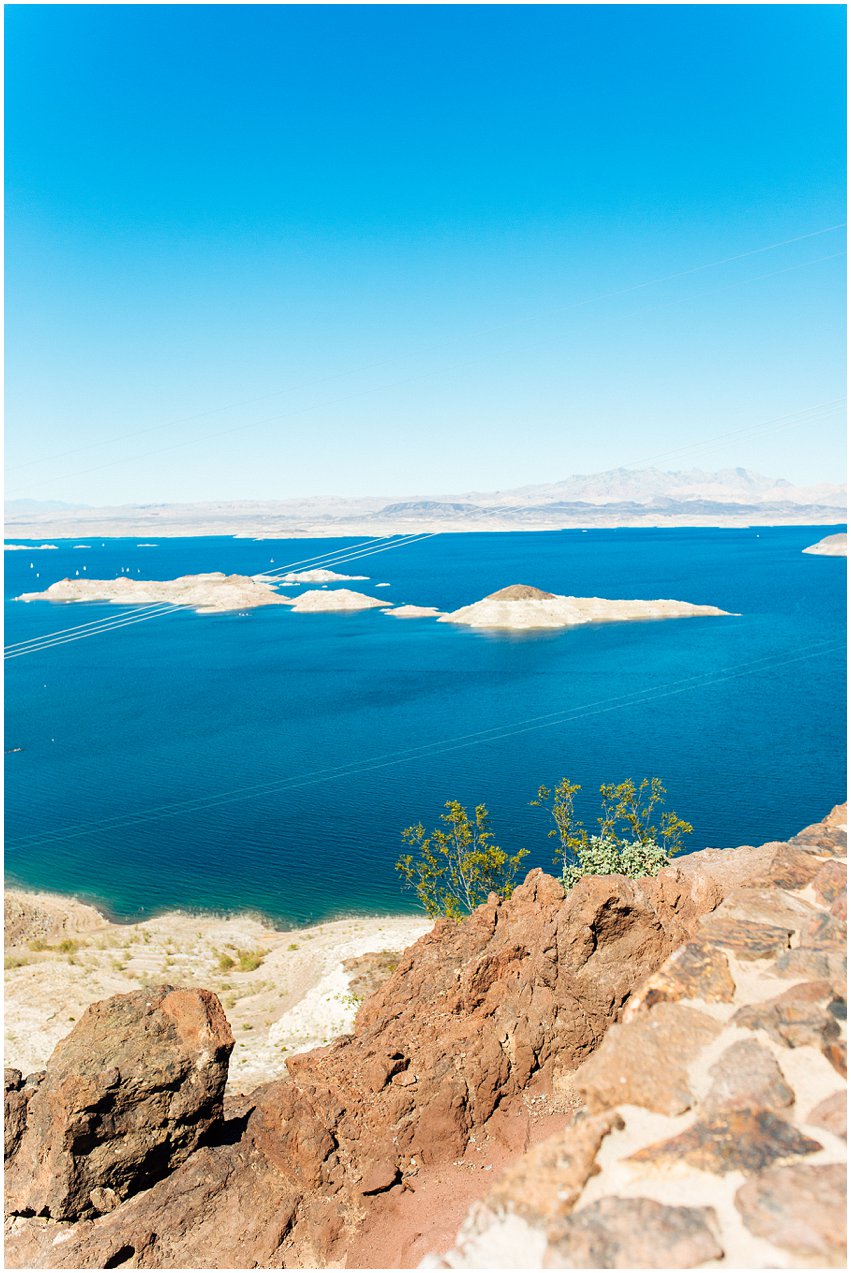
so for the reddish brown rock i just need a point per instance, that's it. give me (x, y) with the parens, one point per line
(827, 931)
(828, 838)
(747, 1076)
(739, 1140)
(646, 1061)
(547, 1180)
(800, 1017)
(790, 868)
(746, 938)
(800, 1208)
(809, 964)
(126, 1097)
(697, 970)
(836, 1051)
(473, 1011)
(18, 1091)
(830, 881)
(832, 1114)
(637, 1233)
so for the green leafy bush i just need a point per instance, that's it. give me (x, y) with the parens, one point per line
(628, 843)
(454, 868)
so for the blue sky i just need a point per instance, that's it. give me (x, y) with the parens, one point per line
(278, 251)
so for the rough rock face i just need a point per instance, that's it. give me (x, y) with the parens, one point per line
(627, 1000)
(520, 592)
(472, 1012)
(125, 1098)
(727, 1065)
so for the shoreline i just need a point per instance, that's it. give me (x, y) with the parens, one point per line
(258, 533)
(284, 990)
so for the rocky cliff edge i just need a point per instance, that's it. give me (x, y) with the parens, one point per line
(645, 1073)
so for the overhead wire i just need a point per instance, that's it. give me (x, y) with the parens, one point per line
(127, 618)
(752, 667)
(135, 611)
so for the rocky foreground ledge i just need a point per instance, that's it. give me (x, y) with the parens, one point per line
(645, 1073)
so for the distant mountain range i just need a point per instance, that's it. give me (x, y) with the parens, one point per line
(619, 497)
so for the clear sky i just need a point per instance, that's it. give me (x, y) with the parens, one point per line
(275, 251)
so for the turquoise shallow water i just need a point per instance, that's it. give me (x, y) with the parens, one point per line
(269, 761)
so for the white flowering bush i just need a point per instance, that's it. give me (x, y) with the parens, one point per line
(605, 855)
(628, 843)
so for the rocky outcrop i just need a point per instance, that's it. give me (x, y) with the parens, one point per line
(612, 1016)
(125, 1098)
(722, 1085)
(472, 1012)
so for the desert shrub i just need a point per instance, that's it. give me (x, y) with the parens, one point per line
(454, 868)
(225, 962)
(628, 843)
(250, 960)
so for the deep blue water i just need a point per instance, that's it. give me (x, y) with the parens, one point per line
(190, 761)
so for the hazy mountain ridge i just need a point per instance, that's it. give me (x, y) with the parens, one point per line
(615, 498)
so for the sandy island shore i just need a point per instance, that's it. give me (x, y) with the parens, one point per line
(283, 991)
(830, 546)
(521, 606)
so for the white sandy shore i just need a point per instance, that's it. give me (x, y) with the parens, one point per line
(415, 612)
(318, 576)
(32, 548)
(62, 955)
(830, 546)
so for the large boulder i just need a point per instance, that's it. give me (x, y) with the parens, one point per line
(126, 1097)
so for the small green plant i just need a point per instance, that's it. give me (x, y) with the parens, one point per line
(68, 946)
(250, 960)
(293, 945)
(225, 962)
(454, 868)
(628, 843)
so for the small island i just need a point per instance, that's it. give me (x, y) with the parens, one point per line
(415, 612)
(830, 546)
(335, 599)
(521, 606)
(212, 593)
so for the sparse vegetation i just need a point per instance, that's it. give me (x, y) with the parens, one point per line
(453, 869)
(250, 960)
(628, 843)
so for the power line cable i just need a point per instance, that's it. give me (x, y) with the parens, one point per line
(425, 751)
(112, 623)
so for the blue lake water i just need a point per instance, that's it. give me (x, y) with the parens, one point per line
(269, 761)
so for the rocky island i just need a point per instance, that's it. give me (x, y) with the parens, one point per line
(211, 593)
(639, 1073)
(521, 606)
(830, 546)
(335, 599)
